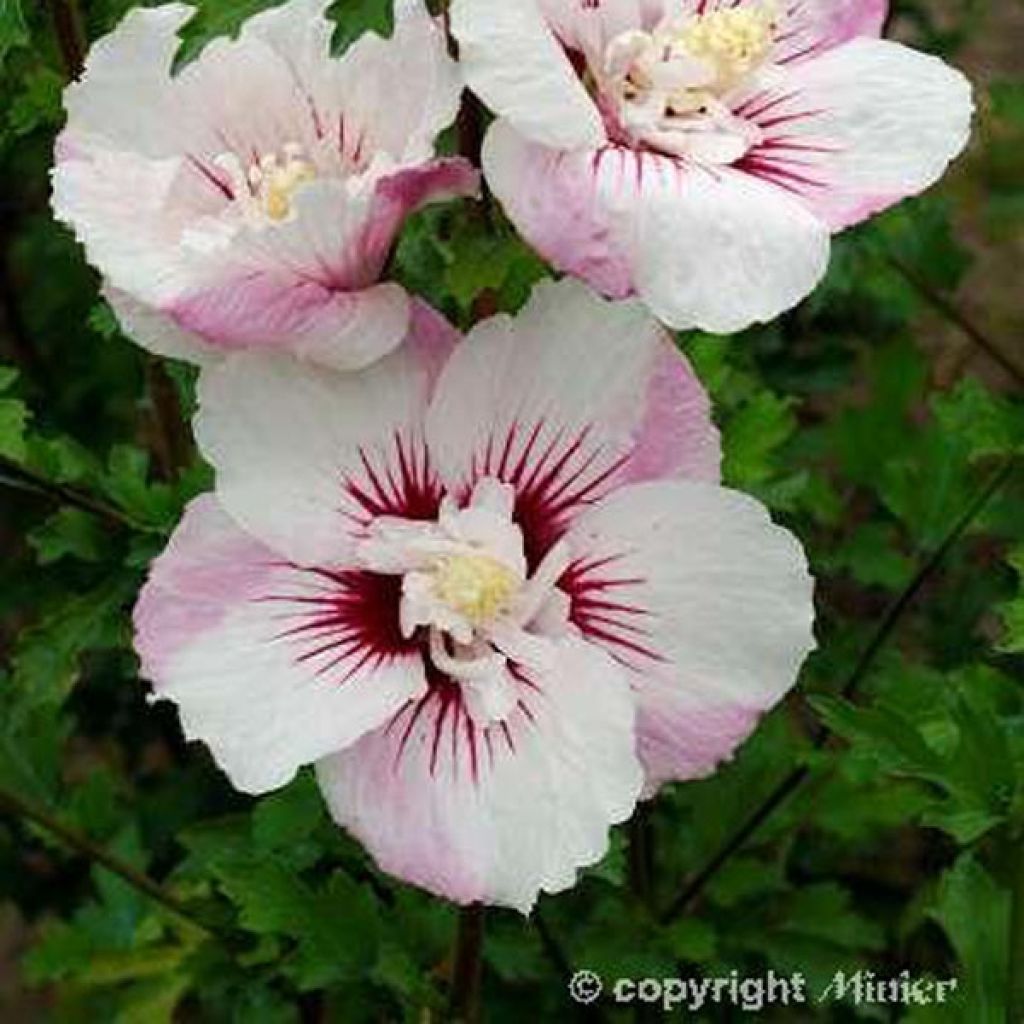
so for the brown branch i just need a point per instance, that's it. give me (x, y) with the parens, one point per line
(467, 966)
(14, 475)
(14, 806)
(171, 447)
(67, 26)
(956, 316)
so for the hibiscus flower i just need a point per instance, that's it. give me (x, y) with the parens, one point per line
(493, 590)
(251, 199)
(700, 153)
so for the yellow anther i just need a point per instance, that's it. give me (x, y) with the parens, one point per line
(278, 185)
(734, 41)
(476, 586)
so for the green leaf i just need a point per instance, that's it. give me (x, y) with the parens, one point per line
(47, 654)
(693, 940)
(69, 533)
(288, 817)
(975, 913)
(127, 484)
(13, 30)
(14, 418)
(336, 928)
(753, 435)
(1012, 612)
(988, 423)
(38, 104)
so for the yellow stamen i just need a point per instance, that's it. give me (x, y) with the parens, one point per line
(278, 185)
(734, 41)
(476, 586)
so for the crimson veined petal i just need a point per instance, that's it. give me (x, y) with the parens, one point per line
(304, 455)
(706, 602)
(714, 248)
(496, 815)
(215, 639)
(565, 402)
(860, 128)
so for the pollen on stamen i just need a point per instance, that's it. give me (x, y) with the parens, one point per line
(476, 586)
(267, 187)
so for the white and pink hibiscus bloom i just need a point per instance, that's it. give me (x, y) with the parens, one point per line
(492, 590)
(251, 199)
(701, 153)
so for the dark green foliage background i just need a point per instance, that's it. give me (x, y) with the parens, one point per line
(869, 420)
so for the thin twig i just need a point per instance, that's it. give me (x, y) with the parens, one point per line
(20, 478)
(67, 25)
(170, 440)
(641, 854)
(958, 317)
(552, 947)
(865, 662)
(467, 965)
(16, 807)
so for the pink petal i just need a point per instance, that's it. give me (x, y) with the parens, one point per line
(235, 637)
(495, 815)
(345, 330)
(706, 602)
(703, 247)
(859, 128)
(566, 402)
(404, 192)
(304, 455)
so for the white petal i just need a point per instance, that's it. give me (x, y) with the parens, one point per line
(866, 124)
(496, 815)
(128, 211)
(718, 249)
(301, 452)
(226, 632)
(400, 92)
(156, 331)
(124, 98)
(707, 601)
(513, 61)
(590, 387)
(715, 248)
(589, 28)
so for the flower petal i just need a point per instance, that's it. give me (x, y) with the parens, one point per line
(861, 127)
(720, 250)
(514, 63)
(128, 212)
(156, 331)
(304, 456)
(401, 193)
(710, 248)
(571, 398)
(496, 815)
(400, 92)
(124, 97)
(706, 601)
(225, 631)
(813, 26)
(344, 330)
(589, 27)
(558, 202)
